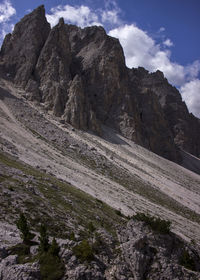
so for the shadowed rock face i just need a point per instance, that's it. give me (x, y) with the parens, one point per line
(184, 126)
(80, 75)
(21, 49)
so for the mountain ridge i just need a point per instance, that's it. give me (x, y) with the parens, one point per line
(86, 148)
(80, 75)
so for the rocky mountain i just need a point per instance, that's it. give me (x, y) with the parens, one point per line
(80, 76)
(84, 149)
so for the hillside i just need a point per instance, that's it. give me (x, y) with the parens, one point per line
(85, 145)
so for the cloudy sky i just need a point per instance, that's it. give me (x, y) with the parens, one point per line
(154, 34)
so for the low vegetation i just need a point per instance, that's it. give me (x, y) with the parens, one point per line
(187, 261)
(156, 224)
(23, 226)
(34, 187)
(84, 251)
(51, 266)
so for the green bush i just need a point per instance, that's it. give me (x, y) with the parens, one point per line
(54, 248)
(157, 224)
(22, 250)
(19, 249)
(187, 261)
(22, 225)
(51, 267)
(44, 239)
(83, 251)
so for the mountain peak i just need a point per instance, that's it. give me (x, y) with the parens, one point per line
(142, 106)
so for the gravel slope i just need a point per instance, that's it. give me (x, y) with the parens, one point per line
(113, 169)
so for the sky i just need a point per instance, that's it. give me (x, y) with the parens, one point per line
(154, 34)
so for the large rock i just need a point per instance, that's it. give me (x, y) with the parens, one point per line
(52, 71)
(114, 96)
(21, 49)
(78, 111)
(10, 270)
(150, 255)
(183, 125)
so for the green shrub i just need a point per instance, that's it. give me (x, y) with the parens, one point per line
(24, 228)
(187, 261)
(51, 267)
(54, 248)
(19, 249)
(157, 224)
(91, 227)
(44, 239)
(83, 251)
(22, 251)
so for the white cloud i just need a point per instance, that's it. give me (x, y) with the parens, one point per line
(168, 43)
(110, 16)
(5, 29)
(191, 95)
(162, 29)
(141, 50)
(85, 16)
(79, 15)
(6, 11)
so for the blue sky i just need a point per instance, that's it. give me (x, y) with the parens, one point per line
(154, 34)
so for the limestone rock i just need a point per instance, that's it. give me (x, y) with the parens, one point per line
(52, 70)
(155, 256)
(10, 270)
(78, 111)
(183, 125)
(21, 49)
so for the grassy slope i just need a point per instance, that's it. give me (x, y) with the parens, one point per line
(46, 199)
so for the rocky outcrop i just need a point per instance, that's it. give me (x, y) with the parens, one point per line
(183, 125)
(150, 255)
(21, 49)
(140, 253)
(11, 270)
(52, 69)
(80, 76)
(78, 111)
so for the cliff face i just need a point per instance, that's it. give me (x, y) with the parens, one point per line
(185, 127)
(80, 75)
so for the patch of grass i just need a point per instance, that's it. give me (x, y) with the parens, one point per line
(156, 224)
(19, 249)
(91, 227)
(84, 251)
(99, 243)
(63, 201)
(187, 261)
(22, 251)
